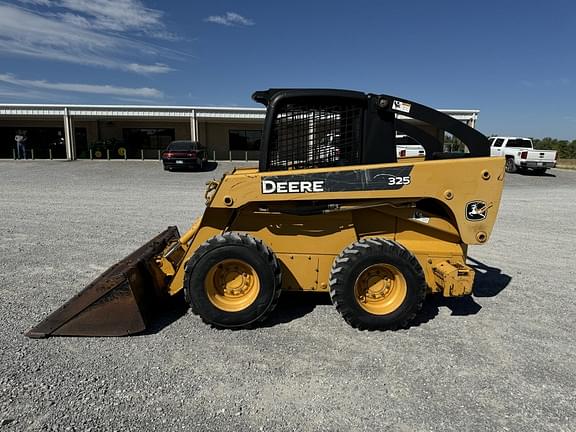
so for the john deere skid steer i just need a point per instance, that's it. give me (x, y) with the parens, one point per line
(329, 209)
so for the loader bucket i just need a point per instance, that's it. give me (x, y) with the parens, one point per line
(116, 303)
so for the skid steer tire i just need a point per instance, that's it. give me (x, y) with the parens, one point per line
(377, 284)
(233, 281)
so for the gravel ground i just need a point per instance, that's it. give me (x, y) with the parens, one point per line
(504, 359)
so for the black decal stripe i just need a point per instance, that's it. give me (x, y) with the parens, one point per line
(349, 181)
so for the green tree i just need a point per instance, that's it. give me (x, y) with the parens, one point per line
(566, 149)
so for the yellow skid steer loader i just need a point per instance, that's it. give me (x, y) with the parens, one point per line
(329, 209)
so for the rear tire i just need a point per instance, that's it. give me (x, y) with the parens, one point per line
(377, 284)
(510, 165)
(232, 281)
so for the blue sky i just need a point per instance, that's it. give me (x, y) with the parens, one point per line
(513, 60)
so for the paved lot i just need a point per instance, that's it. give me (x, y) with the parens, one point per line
(502, 360)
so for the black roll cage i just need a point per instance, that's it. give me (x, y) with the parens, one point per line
(380, 122)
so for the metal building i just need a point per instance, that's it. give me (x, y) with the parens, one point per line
(138, 132)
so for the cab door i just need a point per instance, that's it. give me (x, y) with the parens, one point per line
(496, 146)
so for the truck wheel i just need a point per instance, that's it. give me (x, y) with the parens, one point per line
(377, 284)
(232, 281)
(510, 165)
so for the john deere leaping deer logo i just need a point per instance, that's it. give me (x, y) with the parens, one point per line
(476, 210)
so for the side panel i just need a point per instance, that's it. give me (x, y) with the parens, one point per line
(325, 234)
(300, 272)
(304, 245)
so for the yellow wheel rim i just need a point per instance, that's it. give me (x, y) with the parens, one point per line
(232, 285)
(380, 289)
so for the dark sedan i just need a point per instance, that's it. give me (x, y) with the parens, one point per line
(184, 154)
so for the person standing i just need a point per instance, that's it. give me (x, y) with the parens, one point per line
(20, 139)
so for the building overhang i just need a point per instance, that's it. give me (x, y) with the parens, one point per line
(226, 114)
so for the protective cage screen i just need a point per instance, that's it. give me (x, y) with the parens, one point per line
(319, 135)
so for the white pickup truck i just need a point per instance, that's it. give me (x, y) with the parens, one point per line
(406, 147)
(520, 154)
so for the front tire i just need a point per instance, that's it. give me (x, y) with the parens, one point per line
(232, 281)
(377, 284)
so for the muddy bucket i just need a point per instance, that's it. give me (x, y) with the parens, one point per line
(119, 302)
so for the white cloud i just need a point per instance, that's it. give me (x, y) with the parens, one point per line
(148, 69)
(230, 19)
(106, 89)
(37, 2)
(109, 15)
(18, 95)
(75, 20)
(25, 33)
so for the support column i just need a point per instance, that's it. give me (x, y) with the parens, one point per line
(193, 126)
(472, 121)
(69, 136)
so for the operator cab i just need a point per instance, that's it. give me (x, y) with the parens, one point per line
(312, 128)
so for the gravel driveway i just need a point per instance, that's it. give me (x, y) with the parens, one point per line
(504, 359)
